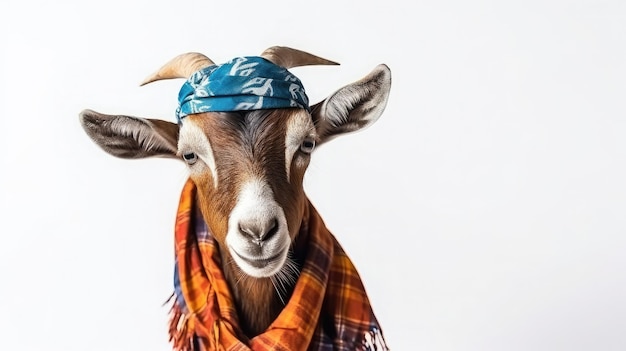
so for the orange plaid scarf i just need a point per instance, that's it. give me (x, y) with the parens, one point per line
(328, 310)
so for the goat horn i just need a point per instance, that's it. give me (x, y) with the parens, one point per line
(288, 57)
(181, 66)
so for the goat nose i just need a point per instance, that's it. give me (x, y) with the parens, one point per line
(259, 231)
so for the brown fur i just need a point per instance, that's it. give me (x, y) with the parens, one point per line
(246, 145)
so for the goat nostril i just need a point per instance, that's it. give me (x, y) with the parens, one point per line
(257, 232)
(271, 231)
(247, 231)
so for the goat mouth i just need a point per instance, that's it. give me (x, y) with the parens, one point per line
(258, 262)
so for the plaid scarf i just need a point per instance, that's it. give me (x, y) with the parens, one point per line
(328, 310)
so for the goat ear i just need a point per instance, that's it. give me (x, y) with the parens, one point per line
(353, 107)
(131, 137)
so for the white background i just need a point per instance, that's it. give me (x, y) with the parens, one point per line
(485, 210)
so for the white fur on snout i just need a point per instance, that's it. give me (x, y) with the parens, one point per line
(258, 258)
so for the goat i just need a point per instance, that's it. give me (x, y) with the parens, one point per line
(246, 232)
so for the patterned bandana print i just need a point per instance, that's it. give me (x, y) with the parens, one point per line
(243, 83)
(329, 309)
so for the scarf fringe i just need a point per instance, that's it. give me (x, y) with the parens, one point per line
(374, 341)
(181, 335)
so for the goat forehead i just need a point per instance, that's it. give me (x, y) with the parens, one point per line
(255, 132)
(237, 146)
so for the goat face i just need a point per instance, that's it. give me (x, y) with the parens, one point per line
(248, 166)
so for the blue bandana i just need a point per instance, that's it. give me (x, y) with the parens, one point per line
(243, 83)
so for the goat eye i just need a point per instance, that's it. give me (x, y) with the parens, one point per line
(190, 158)
(307, 145)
